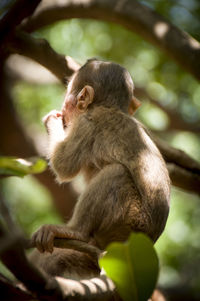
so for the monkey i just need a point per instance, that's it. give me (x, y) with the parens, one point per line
(127, 182)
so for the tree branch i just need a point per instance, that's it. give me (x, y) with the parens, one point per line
(170, 154)
(48, 288)
(62, 66)
(20, 10)
(41, 285)
(16, 142)
(13, 256)
(58, 288)
(68, 66)
(183, 178)
(11, 292)
(177, 156)
(176, 121)
(15, 260)
(177, 44)
(40, 51)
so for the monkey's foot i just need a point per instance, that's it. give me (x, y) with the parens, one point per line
(43, 238)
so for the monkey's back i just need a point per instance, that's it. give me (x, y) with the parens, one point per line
(143, 178)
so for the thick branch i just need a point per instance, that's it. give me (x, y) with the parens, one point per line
(9, 291)
(170, 154)
(177, 156)
(176, 121)
(183, 178)
(40, 51)
(101, 288)
(15, 260)
(34, 73)
(154, 28)
(45, 287)
(16, 142)
(20, 10)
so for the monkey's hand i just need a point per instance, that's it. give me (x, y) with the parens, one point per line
(53, 121)
(55, 129)
(43, 238)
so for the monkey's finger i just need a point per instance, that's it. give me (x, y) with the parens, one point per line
(33, 238)
(53, 113)
(39, 241)
(50, 239)
(45, 239)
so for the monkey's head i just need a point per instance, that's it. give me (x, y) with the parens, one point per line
(99, 83)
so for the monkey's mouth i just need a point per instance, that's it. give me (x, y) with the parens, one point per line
(64, 123)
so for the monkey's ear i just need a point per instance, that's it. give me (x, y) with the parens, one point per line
(134, 105)
(85, 97)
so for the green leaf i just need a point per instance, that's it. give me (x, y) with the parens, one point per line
(133, 266)
(11, 166)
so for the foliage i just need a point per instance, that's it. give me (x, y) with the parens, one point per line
(23, 205)
(11, 166)
(150, 69)
(133, 266)
(42, 98)
(183, 13)
(179, 246)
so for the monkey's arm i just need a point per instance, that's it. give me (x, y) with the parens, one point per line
(69, 152)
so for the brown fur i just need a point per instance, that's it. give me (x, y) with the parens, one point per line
(128, 187)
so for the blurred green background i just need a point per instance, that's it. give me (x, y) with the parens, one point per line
(173, 88)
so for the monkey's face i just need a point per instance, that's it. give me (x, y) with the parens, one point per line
(69, 110)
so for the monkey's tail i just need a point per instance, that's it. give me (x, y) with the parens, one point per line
(66, 263)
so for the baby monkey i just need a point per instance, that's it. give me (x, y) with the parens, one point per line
(128, 187)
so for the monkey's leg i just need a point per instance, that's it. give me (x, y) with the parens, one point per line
(103, 211)
(67, 263)
(107, 211)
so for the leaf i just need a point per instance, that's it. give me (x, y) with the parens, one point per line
(133, 266)
(11, 166)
